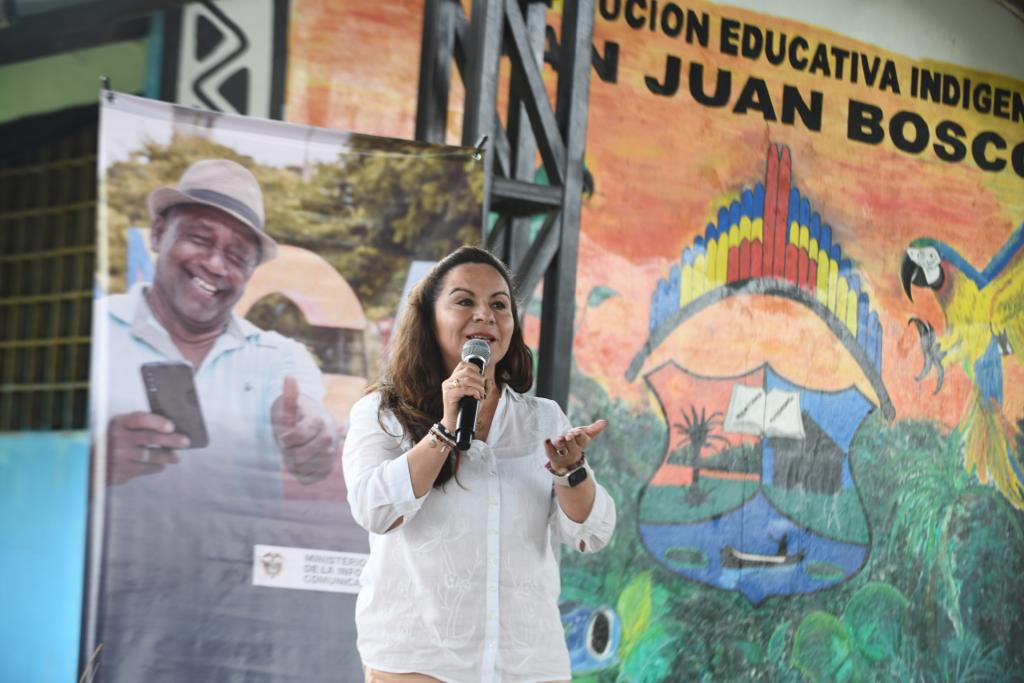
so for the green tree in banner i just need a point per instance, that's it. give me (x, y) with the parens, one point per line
(395, 201)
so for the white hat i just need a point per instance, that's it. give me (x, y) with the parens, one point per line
(224, 185)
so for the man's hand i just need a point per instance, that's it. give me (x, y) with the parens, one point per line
(140, 443)
(305, 432)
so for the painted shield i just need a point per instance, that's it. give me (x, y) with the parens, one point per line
(755, 492)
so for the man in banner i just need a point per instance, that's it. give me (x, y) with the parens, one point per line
(209, 238)
(201, 413)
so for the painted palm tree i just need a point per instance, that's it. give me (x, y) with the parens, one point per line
(698, 432)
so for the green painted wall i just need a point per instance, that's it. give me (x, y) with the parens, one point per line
(51, 83)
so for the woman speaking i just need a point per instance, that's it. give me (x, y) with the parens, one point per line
(462, 581)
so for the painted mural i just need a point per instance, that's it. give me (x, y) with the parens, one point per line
(799, 304)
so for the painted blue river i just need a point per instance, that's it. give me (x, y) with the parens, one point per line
(826, 562)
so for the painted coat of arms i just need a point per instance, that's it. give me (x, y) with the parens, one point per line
(755, 492)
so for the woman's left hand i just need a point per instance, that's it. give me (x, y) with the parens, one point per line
(567, 449)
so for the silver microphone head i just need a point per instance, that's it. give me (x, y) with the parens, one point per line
(476, 350)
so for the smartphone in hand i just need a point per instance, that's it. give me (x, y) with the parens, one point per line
(172, 394)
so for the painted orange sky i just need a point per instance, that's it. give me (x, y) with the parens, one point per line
(664, 165)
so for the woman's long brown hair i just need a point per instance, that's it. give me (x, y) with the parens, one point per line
(410, 385)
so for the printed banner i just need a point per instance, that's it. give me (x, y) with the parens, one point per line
(306, 569)
(249, 276)
(800, 303)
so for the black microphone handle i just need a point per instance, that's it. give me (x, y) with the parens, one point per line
(465, 424)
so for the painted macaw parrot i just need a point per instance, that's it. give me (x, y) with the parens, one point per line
(984, 314)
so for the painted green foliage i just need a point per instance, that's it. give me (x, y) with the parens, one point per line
(940, 598)
(645, 641)
(829, 649)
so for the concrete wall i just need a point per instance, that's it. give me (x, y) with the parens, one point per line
(982, 34)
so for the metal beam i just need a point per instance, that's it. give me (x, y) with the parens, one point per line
(479, 118)
(76, 27)
(526, 70)
(522, 199)
(435, 70)
(523, 157)
(571, 110)
(540, 254)
(517, 28)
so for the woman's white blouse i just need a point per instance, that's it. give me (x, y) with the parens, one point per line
(466, 588)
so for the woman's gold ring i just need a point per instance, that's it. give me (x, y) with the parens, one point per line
(562, 452)
(455, 382)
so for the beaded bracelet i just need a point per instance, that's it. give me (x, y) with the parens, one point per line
(440, 434)
(437, 442)
(576, 465)
(444, 432)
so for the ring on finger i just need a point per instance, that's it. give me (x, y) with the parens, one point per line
(562, 452)
(455, 382)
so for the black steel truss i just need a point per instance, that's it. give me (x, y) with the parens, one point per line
(517, 28)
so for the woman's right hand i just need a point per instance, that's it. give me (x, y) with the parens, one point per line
(465, 380)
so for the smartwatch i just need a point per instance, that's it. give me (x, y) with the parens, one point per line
(573, 477)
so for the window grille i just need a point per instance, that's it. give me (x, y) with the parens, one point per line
(47, 256)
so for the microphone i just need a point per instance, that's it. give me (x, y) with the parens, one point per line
(477, 352)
